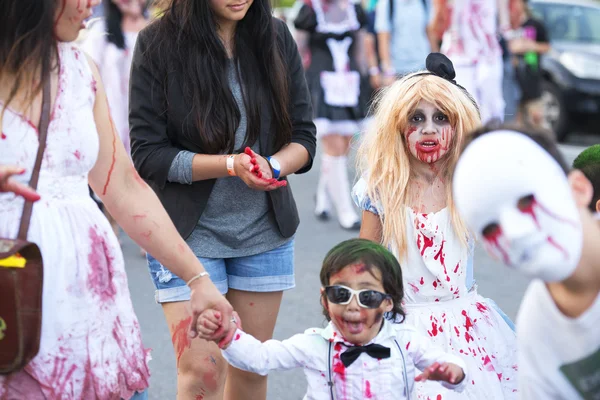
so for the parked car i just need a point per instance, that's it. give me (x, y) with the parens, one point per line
(572, 68)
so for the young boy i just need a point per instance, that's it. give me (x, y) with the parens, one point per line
(360, 354)
(515, 191)
(588, 162)
(527, 42)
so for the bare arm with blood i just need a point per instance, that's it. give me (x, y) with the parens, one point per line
(8, 184)
(138, 211)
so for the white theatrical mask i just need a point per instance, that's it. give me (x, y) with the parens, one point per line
(516, 197)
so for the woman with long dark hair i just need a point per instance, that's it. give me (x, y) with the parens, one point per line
(220, 115)
(110, 42)
(90, 345)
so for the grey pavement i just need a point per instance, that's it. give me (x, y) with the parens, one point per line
(300, 308)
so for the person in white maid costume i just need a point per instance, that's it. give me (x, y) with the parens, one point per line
(330, 37)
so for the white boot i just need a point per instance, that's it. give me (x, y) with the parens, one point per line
(338, 188)
(323, 204)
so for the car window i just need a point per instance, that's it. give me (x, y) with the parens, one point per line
(569, 22)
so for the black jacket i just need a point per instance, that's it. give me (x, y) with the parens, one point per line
(156, 135)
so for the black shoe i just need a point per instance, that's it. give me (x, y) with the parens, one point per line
(354, 227)
(323, 215)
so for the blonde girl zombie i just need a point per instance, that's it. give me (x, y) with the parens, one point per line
(406, 160)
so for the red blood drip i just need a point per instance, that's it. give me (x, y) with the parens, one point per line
(439, 397)
(339, 369)
(435, 284)
(180, 338)
(237, 337)
(468, 323)
(559, 247)
(77, 154)
(456, 269)
(468, 337)
(407, 345)
(414, 287)
(422, 281)
(94, 85)
(338, 346)
(440, 255)
(3, 136)
(493, 240)
(481, 308)
(410, 131)
(500, 377)
(488, 363)
(428, 242)
(100, 277)
(530, 209)
(368, 394)
(114, 153)
(434, 329)
(419, 241)
(457, 332)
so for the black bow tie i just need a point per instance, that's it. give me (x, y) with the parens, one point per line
(374, 350)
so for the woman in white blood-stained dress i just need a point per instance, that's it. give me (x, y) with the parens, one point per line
(407, 158)
(91, 347)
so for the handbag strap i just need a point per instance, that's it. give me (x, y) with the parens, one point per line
(35, 175)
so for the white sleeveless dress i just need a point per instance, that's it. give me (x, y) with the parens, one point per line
(439, 305)
(91, 346)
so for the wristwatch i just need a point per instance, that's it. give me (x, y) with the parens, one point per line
(274, 166)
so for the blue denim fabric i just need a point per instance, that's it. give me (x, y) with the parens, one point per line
(270, 271)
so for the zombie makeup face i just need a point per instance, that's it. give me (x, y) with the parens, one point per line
(358, 325)
(69, 17)
(514, 195)
(230, 10)
(429, 134)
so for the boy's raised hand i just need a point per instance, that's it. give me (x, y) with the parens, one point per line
(447, 372)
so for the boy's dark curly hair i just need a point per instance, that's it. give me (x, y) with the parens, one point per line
(373, 256)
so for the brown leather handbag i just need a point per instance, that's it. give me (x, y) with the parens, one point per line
(21, 277)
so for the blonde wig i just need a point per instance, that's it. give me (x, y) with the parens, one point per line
(384, 158)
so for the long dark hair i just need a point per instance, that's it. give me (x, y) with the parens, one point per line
(113, 18)
(186, 39)
(27, 43)
(373, 256)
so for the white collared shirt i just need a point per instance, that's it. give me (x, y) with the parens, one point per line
(318, 351)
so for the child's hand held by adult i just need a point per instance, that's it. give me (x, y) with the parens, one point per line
(205, 296)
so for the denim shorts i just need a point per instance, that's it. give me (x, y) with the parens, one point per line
(271, 271)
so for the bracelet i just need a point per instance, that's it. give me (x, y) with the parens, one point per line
(230, 169)
(200, 275)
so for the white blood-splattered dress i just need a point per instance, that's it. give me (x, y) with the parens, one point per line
(438, 304)
(91, 346)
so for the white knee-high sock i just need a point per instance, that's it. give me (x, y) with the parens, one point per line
(338, 188)
(323, 203)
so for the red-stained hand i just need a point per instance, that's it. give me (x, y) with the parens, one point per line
(447, 372)
(248, 171)
(233, 326)
(205, 296)
(8, 184)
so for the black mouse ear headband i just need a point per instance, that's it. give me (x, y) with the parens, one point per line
(439, 65)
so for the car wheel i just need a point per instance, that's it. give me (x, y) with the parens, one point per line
(555, 114)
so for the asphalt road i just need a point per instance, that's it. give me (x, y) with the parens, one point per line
(300, 308)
